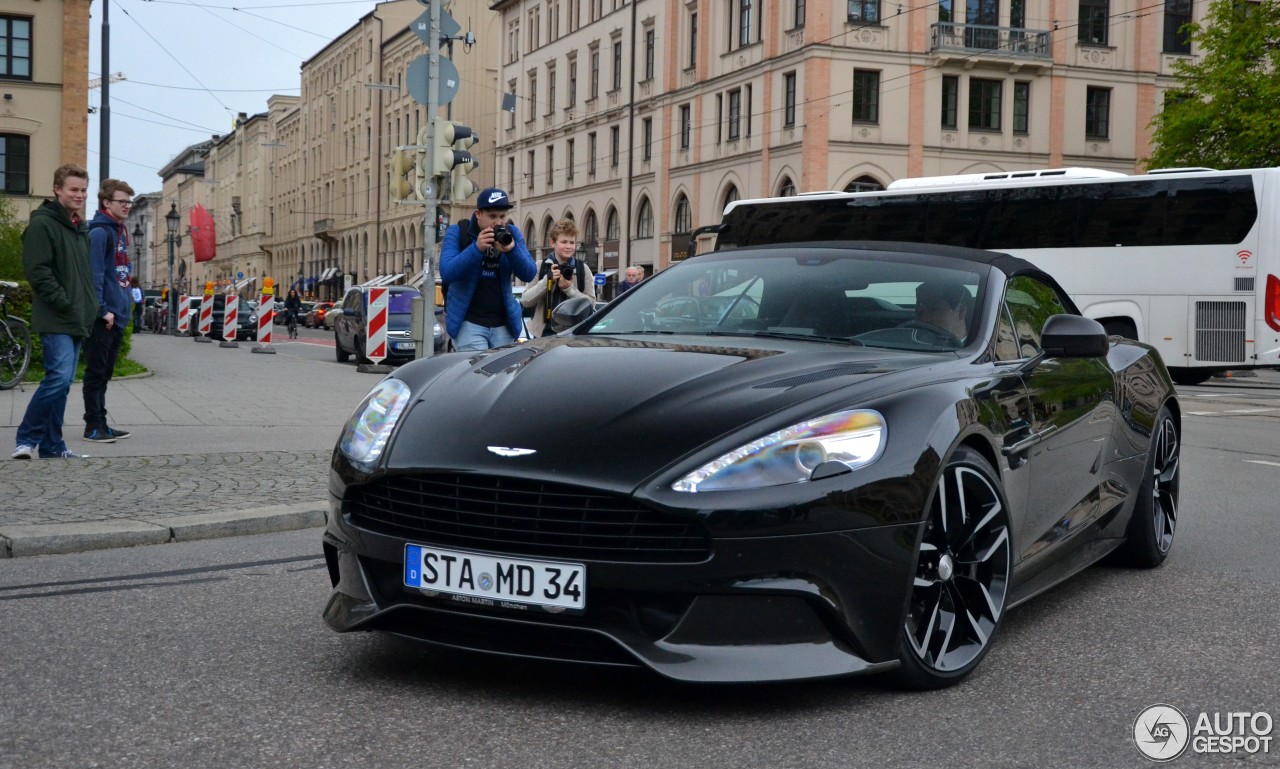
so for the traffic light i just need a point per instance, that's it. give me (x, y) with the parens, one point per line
(461, 186)
(402, 166)
(451, 142)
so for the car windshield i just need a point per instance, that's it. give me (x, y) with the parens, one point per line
(848, 297)
(401, 302)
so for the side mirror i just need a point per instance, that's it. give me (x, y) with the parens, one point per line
(1071, 336)
(571, 312)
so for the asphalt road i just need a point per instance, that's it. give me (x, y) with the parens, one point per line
(213, 654)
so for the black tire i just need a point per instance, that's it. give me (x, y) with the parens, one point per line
(342, 354)
(15, 352)
(1189, 376)
(962, 576)
(1149, 536)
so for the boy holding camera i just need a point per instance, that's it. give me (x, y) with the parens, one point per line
(561, 277)
(478, 258)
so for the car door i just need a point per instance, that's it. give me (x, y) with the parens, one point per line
(349, 322)
(1070, 421)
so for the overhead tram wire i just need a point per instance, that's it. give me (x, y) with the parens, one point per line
(160, 45)
(247, 32)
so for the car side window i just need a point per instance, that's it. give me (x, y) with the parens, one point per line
(352, 302)
(1030, 302)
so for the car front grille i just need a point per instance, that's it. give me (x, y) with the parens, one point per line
(524, 517)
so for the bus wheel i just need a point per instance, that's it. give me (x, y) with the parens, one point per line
(1189, 376)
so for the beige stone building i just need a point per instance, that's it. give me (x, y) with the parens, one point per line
(642, 141)
(184, 186)
(44, 89)
(330, 222)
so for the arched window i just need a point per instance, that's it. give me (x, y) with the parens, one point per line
(530, 234)
(684, 218)
(546, 229)
(644, 220)
(591, 230)
(787, 188)
(863, 184)
(730, 195)
(611, 231)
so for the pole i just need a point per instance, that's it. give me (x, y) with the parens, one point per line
(425, 331)
(173, 294)
(104, 111)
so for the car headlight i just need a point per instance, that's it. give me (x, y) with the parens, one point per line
(436, 329)
(366, 433)
(852, 438)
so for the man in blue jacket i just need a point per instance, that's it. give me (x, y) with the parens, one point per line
(477, 261)
(109, 261)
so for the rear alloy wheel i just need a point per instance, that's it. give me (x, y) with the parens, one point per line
(1155, 513)
(962, 576)
(342, 354)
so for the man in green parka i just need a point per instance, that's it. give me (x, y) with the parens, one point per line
(55, 258)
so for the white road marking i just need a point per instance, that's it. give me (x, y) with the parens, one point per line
(1262, 462)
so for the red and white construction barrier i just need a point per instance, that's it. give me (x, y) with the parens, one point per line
(266, 311)
(206, 315)
(230, 318)
(184, 314)
(375, 344)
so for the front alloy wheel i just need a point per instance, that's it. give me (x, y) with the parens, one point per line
(962, 576)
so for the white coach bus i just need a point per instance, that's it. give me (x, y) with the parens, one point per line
(1186, 260)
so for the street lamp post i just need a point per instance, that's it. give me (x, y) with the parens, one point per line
(138, 235)
(171, 221)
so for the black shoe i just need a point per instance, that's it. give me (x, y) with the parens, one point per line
(99, 435)
(114, 433)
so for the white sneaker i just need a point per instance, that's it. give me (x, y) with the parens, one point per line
(24, 451)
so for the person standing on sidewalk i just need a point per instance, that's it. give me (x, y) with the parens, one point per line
(109, 262)
(136, 291)
(55, 259)
(477, 259)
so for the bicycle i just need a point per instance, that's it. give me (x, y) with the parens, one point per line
(15, 343)
(291, 323)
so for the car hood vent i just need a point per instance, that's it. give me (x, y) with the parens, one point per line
(504, 362)
(818, 376)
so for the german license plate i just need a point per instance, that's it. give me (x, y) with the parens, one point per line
(404, 345)
(492, 580)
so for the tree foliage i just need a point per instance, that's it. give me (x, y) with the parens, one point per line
(1224, 114)
(10, 241)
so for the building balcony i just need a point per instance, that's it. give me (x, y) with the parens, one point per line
(323, 229)
(951, 40)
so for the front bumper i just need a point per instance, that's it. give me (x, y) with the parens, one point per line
(757, 609)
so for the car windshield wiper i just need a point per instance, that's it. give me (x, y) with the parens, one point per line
(787, 335)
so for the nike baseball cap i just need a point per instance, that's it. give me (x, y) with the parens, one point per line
(492, 197)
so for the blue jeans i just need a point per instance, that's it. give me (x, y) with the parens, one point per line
(42, 424)
(472, 337)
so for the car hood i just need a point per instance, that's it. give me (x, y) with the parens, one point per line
(585, 409)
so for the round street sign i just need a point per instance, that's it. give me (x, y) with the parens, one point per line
(418, 78)
(239, 275)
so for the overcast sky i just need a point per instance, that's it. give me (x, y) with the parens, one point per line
(192, 65)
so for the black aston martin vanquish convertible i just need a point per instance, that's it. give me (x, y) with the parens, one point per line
(768, 463)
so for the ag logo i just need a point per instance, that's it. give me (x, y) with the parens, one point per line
(1161, 732)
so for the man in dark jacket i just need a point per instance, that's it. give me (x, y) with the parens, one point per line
(55, 258)
(477, 260)
(109, 262)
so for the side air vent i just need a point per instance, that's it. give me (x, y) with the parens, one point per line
(504, 362)
(1244, 284)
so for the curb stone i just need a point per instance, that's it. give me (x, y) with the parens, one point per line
(50, 539)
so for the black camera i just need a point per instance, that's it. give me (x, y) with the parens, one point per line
(566, 270)
(502, 236)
